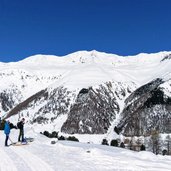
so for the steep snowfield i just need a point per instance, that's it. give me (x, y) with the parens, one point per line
(74, 156)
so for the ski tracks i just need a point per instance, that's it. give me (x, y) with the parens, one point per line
(34, 162)
(6, 163)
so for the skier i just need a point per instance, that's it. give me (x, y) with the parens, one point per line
(20, 126)
(7, 132)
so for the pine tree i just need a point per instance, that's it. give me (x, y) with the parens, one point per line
(164, 152)
(105, 142)
(155, 142)
(142, 147)
(122, 145)
(114, 143)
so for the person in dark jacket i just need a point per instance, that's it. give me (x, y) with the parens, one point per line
(7, 132)
(20, 126)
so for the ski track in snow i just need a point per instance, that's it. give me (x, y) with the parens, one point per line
(18, 161)
(6, 163)
(34, 162)
(19, 158)
(41, 155)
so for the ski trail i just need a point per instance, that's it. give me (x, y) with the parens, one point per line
(6, 163)
(18, 161)
(34, 162)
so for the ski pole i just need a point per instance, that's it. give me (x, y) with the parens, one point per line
(11, 140)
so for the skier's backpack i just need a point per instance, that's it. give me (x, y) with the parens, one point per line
(19, 125)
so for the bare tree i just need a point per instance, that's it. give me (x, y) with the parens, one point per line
(168, 144)
(155, 142)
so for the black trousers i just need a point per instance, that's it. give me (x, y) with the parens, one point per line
(6, 140)
(21, 135)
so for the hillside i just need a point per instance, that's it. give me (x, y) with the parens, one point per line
(88, 92)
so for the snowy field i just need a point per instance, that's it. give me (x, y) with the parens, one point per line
(41, 155)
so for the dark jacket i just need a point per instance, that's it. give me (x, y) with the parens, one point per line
(20, 125)
(7, 128)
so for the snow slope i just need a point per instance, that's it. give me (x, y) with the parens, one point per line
(74, 156)
(89, 68)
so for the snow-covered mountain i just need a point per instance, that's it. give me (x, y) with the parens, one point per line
(88, 92)
(147, 109)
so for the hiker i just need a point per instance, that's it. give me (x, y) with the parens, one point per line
(20, 126)
(7, 132)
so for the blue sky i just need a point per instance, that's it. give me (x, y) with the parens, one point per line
(60, 27)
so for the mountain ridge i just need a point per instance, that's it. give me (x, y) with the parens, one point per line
(86, 53)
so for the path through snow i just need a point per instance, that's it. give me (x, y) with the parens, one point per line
(74, 156)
